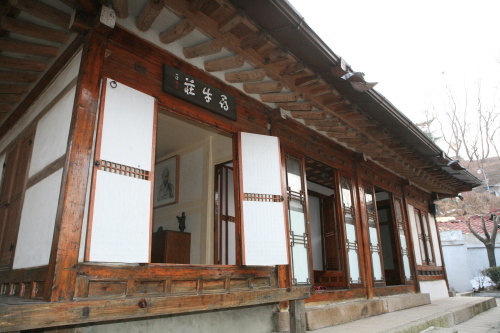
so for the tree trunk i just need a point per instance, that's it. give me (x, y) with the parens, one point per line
(490, 249)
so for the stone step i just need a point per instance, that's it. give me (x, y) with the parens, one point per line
(440, 316)
(340, 313)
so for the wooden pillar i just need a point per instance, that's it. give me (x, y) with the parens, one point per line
(364, 237)
(409, 240)
(297, 316)
(61, 275)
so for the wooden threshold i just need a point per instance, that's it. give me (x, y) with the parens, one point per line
(21, 314)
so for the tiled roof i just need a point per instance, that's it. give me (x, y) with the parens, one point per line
(458, 223)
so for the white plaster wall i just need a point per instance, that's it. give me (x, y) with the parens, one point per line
(65, 78)
(51, 139)
(414, 235)
(477, 257)
(435, 240)
(36, 228)
(255, 319)
(455, 259)
(437, 289)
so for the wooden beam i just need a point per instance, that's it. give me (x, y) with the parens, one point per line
(296, 106)
(307, 80)
(14, 88)
(334, 129)
(262, 87)
(231, 21)
(90, 6)
(319, 90)
(308, 114)
(149, 14)
(44, 12)
(325, 122)
(254, 39)
(195, 6)
(254, 75)
(177, 32)
(17, 46)
(279, 97)
(48, 314)
(17, 76)
(121, 8)
(223, 64)
(11, 98)
(293, 68)
(33, 30)
(275, 54)
(61, 275)
(333, 101)
(5, 108)
(343, 135)
(206, 48)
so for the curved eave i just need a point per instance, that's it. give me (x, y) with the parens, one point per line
(288, 27)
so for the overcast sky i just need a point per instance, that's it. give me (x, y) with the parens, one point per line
(413, 48)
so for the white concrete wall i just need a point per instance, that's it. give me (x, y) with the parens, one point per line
(437, 289)
(455, 259)
(477, 257)
(464, 256)
(253, 319)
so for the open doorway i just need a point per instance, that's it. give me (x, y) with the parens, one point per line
(388, 238)
(325, 228)
(183, 210)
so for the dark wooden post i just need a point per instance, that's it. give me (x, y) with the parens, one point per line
(297, 316)
(61, 275)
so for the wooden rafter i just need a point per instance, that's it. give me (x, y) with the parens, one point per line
(206, 48)
(177, 32)
(224, 64)
(263, 87)
(255, 46)
(33, 30)
(149, 14)
(44, 12)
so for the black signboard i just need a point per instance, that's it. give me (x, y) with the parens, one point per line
(197, 92)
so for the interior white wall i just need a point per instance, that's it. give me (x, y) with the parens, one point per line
(191, 170)
(66, 77)
(437, 289)
(51, 138)
(36, 230)
(414, 235)
(315, 226)
(2, 161)
(435, 240)
(319, 189)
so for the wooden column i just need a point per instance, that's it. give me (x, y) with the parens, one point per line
(61, 275)
(297, 316)
(364, 236)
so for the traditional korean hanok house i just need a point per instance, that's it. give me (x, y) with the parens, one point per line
(169, 159)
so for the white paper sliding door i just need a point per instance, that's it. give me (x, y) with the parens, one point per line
(263, 222)
(120, 227)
